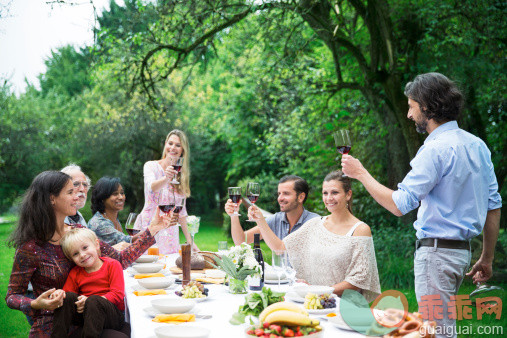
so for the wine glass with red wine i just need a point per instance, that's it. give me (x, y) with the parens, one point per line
(177, 163)
(179, 204)
(166, 201)
(129, 225)
(343, 142)
(235, 196)
(253, 190)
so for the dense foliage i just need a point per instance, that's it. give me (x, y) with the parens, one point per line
(259, 87)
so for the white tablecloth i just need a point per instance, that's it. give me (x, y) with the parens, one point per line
(220, 304)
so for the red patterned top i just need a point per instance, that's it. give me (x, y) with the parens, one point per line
(45, 265)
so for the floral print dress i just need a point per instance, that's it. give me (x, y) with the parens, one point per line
(168, 240)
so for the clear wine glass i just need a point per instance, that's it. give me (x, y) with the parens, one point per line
(290, 272)
(252, 193)
(177, 164)
(129, 225)
(235, 196)
(483, 290)
(277, 258)
(193, 227)
(342, 142)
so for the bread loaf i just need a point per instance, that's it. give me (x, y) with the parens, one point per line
(196, 262)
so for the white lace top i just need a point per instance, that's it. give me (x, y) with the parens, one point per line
(324, 258)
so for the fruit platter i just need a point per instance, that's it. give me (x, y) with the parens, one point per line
(322, 304)
(285, 319)
(193, 290)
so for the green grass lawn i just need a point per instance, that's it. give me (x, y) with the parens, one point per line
(14, 323)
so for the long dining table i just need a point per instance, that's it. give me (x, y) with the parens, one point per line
(220, 304)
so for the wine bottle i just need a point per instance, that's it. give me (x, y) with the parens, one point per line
(257, 282)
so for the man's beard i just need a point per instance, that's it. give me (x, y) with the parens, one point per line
(421, 126)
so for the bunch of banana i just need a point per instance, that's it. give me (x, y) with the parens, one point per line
(312, 302)
(286, 313)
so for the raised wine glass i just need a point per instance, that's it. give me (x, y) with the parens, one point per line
(177, 164)
(179, 204)
(129, 225)
(235, 196)
(252, 193)
(277, 258)
(343, 142)
(166, 200)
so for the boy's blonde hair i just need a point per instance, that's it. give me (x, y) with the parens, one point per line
(74, 236)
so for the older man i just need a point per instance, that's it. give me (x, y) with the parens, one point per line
(292, 193)
(82, 183)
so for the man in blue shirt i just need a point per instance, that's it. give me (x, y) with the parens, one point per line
(292, 193)
(453, 179)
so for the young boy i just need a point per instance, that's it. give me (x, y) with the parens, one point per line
(94, 290)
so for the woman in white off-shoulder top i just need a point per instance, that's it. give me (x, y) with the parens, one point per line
(335, 250)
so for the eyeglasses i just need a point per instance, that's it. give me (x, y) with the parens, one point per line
(78, 183)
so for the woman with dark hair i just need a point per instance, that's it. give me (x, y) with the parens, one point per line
(157, 180)
(108, 199)
(39, 258)
(335, 250)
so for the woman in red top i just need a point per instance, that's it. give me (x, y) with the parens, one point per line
(39, 258)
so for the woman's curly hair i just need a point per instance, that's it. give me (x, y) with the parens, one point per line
(439, 98)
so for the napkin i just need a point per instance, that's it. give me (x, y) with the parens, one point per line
(150, 292)
(175, 318)
(210, 280)
(148, 275)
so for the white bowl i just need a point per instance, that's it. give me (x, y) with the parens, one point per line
(156, 282)
(148, 267)
(173, 305)
(147, 259)
(302, 290)
(180, 331)
(214, 273)
(271, 275)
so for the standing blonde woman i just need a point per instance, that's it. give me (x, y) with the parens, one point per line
(157, 177)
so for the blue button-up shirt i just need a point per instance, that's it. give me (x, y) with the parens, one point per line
(280, 225)
(453, 177)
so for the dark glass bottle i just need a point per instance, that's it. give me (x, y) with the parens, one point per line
(257, 283)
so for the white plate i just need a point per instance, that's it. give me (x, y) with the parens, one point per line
(198, 300)
(181, 331)
(292, 296)
(275, 281)
(137, 287)
(147, 259)
(321, 311)
(133, 272)
(339, 323)
(152, 312)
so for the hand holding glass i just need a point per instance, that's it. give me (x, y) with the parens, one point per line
(166, 200)
(129, 225)
(343, 142)
(177, 164)
(235, 196)
(252, 192)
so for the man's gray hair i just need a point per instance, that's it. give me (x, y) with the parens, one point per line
(72, 168)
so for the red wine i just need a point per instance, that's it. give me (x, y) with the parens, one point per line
(166, 207)
(253, 197)
(177, 167)
(132, 232)
(343, 149)
(235, 198)
(177, 209)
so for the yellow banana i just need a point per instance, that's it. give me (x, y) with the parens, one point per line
(281, 306)
(286, 317)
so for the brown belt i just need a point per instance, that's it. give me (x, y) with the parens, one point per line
(442, 243)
